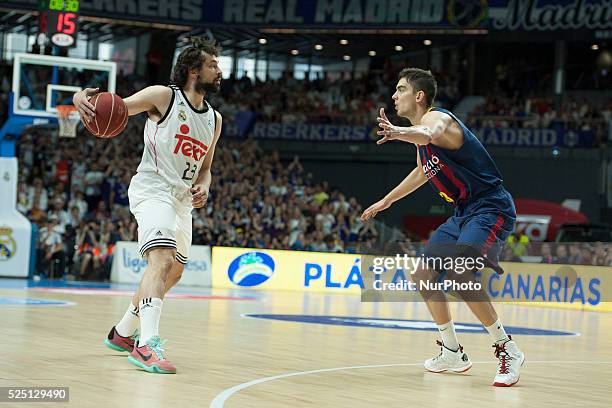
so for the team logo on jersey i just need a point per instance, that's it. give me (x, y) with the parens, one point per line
(189, 146)
(210, 125)
(8, 246)
(182, 115)
(432, 167)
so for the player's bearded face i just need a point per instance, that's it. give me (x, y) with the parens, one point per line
(209, 80)
(208, 86)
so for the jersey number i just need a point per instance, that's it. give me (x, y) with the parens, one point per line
(189, 171)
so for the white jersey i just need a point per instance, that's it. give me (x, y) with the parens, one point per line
(175, 146)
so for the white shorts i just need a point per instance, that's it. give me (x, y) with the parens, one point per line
(164, 217)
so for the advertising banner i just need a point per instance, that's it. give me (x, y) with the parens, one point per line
(243, 268)
(15, 228)
(381, 279)
(128, 265)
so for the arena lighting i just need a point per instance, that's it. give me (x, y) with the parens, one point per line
(427, 42)
(346, 57)
(263, 41)
(398, 48)
(343, 41)
(594, 47)
(318, 47)
(372, 53)
(294, 52)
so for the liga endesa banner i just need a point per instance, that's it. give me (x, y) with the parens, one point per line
(128, 265)
(236, 268)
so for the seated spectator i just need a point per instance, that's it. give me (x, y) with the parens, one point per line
(600, 254)
(561, 252)
(546, 254)
(52, 255)
(519, 243)
(575, 254)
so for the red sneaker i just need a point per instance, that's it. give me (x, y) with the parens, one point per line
(119, 343)
(150, 357)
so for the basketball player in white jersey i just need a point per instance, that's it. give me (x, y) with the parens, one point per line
(173, 177)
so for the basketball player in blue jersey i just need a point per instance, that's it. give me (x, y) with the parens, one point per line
(463, 174)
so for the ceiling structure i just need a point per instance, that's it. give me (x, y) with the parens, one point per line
(279, 43)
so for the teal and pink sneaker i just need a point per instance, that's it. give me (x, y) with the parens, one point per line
(150, 357)
(119, 343)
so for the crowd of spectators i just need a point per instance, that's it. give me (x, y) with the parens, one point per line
(520, 249)
(75, 191)
(341, 100)
(257, 200)
(499, 111)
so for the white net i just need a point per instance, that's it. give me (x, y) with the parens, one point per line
(68, 119)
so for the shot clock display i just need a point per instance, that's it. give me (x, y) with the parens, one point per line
(61, 21)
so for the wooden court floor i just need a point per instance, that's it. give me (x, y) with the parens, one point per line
(227, 359)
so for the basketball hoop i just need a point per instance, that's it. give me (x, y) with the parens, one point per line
(68, 119)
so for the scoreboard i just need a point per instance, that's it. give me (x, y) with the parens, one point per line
(59, 21)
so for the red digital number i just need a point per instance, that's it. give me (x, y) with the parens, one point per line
(65, 24)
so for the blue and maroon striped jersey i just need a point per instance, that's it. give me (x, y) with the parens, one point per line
(459, 175)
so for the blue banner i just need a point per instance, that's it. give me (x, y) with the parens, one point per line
(360, 14)
(305, 131)
(550, 15)
(528, 137)
(514, 137)
(448, 15)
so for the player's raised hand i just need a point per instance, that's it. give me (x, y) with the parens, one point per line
(389, 131)
(199, 196)
(81, 102)
(375, 208)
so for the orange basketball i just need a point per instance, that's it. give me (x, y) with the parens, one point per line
(111, 115)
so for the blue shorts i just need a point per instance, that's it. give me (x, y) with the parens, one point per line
(480, 227)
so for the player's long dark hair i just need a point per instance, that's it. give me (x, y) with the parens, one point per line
(421, 80)
(192, 58)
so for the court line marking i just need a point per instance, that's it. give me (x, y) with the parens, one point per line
(223, 396)
(54, 302)
(119, 292)
(250, 316)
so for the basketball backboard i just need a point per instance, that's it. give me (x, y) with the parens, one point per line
(40, 82)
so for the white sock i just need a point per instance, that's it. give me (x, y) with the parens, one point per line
(449, 336)
(497, 332)
(129, 323)
(150, 312)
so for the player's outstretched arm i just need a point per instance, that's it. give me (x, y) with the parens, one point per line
(433, 126)
(154, 98)
(412, 182)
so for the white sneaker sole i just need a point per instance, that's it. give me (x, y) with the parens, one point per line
(457, 370)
